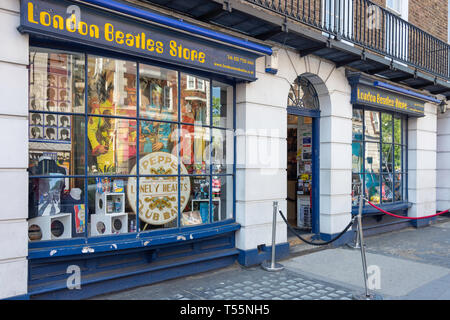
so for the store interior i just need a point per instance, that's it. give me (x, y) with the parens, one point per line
(299, 173)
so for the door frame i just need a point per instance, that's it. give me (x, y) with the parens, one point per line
(315, 115)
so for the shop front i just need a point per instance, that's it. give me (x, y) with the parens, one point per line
(389, 153)
(131, 146)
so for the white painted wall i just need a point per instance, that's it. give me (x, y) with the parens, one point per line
(14, 152)
(422, 155)
(261, 124)
(443, 161)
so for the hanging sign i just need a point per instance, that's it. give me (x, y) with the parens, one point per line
(158, 196)
(72, 21)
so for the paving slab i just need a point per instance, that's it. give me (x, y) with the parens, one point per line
(399, 277)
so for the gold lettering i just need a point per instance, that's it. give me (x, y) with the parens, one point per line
(150, 45)
(45, 18)
(143, 41)
(58, 22)
(194, 55)
(173, 48)
(159, 47)
(109, 32)
(201, 57)
(119, 37)
(31, 13)
(83, 28)
(130, 40)
(186, 54)
(71, 23)
(94, 31)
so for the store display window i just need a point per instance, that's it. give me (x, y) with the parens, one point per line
(379, 156)
(119, 146)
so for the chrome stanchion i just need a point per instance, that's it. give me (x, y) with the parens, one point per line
(355, 244)
(367, 295)
(272, 265)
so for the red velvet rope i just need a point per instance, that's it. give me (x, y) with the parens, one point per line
(409, 218)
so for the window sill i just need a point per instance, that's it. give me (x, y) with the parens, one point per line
(133, 241)
(369, 210)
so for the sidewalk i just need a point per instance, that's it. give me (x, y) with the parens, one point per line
(413, 264)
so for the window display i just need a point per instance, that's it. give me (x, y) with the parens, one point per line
(195, 100)
(159, 93)
(379, 156)
(195, 149)
(56, 81)
(101, 166)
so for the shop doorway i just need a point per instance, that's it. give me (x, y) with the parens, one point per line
(303, 118)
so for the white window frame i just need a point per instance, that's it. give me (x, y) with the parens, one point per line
(345, 28)
(190, 83)
(390, 5)
(202, 86)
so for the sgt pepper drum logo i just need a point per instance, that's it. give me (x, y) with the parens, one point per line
(158, 196)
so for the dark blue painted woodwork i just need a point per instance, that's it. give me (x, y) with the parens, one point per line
(111, 271)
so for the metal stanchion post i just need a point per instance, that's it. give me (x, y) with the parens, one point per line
(355, 244)
(272, 265)
(367, 295)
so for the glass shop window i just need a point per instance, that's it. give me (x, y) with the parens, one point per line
(379, 152)
(118, 147)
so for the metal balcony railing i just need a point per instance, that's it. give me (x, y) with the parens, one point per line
(366, 24)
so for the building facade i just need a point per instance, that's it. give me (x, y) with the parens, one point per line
(148, 140)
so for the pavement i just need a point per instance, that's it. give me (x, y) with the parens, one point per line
(408, 264)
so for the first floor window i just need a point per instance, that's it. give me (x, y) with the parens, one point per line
(118, 146)
(379, 156)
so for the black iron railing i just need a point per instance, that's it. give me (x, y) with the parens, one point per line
(366, 24)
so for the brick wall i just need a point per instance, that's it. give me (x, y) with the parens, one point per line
(430, 16)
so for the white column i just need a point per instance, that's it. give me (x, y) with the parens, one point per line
(261, 127)
(14, 152)
(422, 145)
(443, 161)
(336, 156)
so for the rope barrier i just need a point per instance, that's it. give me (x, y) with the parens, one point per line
(402, 217)
(315, 243)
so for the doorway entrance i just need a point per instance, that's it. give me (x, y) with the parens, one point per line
(300, 172)
(303, 117)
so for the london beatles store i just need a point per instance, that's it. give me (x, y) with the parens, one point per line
(131, 145)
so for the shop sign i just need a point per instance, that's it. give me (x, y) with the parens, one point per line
(74, 22)
(372, 96)
(158, 196)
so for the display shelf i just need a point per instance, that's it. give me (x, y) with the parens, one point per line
(109, 203)
(54, 227)
(106, 224)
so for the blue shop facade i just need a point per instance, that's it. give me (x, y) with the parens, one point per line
(131, 146)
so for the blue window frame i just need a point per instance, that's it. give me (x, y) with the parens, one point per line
(102, 129)
(379, 157)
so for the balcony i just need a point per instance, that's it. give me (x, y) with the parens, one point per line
(353, 33)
